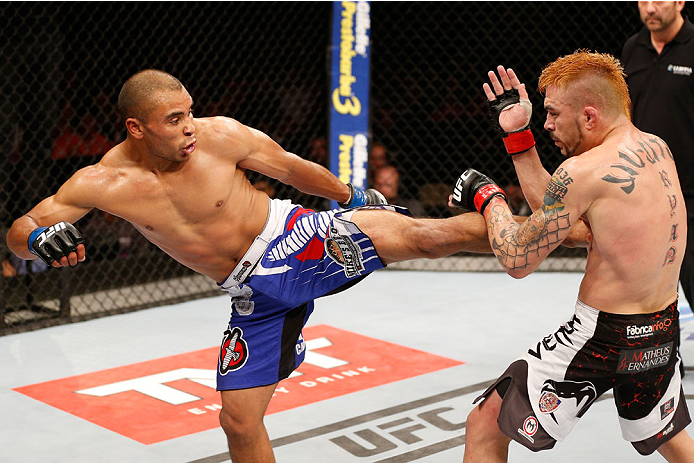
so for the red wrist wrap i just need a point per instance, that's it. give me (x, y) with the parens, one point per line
(485, 194)
(517, 142)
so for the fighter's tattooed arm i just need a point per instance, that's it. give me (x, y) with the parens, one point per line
(521, 248)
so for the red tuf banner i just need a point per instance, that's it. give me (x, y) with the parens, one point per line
(166, 398)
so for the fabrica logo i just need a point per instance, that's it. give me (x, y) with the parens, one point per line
(635, 331)
(639, 330)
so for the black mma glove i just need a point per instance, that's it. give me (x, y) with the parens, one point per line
(359, 197)
(54, 242)
(474, 190)
(519, 140)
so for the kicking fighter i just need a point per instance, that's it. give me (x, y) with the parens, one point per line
(623, 335)
(181, 182)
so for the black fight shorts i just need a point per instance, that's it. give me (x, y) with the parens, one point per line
(547, 390)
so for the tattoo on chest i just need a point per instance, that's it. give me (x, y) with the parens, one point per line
(540, 231)
(654, 150)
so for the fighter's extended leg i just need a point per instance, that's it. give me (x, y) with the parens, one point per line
(241, 418)
(398, 237)
(484, 441)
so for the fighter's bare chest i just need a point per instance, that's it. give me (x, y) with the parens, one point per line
(155, 204)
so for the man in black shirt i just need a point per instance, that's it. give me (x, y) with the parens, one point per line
(658, 62)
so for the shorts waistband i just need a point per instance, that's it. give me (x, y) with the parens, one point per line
(255, 252)
(583, 307)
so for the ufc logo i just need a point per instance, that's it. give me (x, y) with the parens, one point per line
(458, 190)
(50, 231)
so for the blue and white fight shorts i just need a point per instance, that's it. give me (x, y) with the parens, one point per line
(299, 256)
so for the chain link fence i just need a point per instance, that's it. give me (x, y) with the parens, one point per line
(264, 64)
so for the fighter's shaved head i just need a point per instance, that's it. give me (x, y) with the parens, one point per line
(138, 92)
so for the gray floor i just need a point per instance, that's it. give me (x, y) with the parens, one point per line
(477, 322)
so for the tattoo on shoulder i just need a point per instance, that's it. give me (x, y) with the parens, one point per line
(664, 177)
(654, 150)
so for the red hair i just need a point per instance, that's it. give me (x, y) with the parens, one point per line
(605, 72)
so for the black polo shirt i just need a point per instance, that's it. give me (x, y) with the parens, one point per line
(662, 94)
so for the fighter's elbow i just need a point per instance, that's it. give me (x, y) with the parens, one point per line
(577, 241)
(518, 273)
(16, 238)
(578, 237)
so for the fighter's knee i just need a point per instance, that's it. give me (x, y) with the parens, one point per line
(236, 428)
(425, 241)
(481, 424)
(475, 424)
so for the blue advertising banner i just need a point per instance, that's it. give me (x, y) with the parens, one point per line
(349, 92)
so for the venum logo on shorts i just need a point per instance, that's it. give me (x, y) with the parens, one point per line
(561, 336)
(643, 331)
(529, 428)
(578, 390)
(667, 408)
(344, 251)
(234, 351)
(635, 361)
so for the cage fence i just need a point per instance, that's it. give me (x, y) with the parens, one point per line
(266, 65)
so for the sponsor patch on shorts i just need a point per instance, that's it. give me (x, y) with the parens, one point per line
(644, 331)
(665, 431)
(234, 351)
(240, 275)
(549, 402)
(635, 361)
(529, 428)
(344, 251)
(667, 408)
(579, 390)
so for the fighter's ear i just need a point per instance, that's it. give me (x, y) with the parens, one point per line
(590, 117)
(134, 127)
